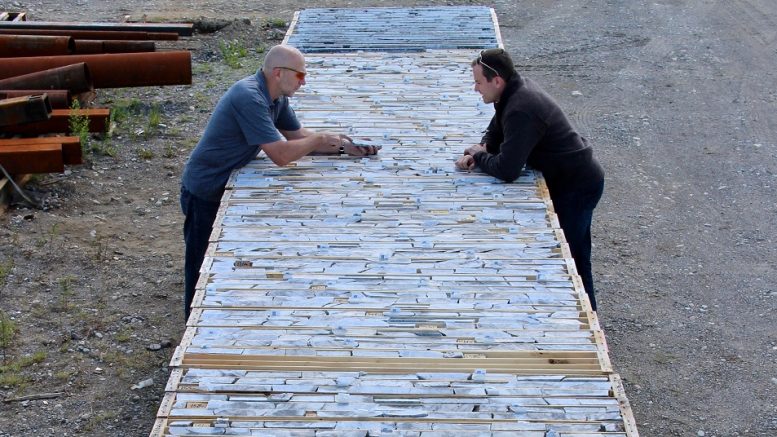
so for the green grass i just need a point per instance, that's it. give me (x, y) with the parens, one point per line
(66, 293)
(79, 126)
(97, 419)
(124, 335)
(9, 373)
(65, 375)
(145, 154)
(276, 22)
(5, 269)
(232, 52)
(170, 151)
(7, 331)
(154, 117)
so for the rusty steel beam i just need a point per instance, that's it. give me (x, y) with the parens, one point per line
(74, 77)
(96, 34)
(32, 158)
(71, 146)
(59, 99)
(182, 29)
(90, 46)
(17, 46)
(25, 109)
(115, 70)
(60, 122)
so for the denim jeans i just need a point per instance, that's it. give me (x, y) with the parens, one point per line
(200, 215)
(575, 211)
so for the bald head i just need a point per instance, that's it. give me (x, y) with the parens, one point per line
(282, 56)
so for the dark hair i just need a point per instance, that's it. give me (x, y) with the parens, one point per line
(495, 62)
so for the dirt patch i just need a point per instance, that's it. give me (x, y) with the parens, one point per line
(677, 98)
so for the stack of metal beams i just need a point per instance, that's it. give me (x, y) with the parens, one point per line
(391, 295)
(44, 65)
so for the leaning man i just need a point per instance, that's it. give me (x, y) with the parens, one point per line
(253, 115)
(530, 128)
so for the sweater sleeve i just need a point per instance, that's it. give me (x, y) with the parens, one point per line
(489, 136)
(521, 135)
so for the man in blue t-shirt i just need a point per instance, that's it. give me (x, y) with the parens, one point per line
(253, 115)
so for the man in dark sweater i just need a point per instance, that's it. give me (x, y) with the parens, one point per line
(530, 128)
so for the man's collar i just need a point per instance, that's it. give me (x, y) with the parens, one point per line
(262, 81)
(511, 87)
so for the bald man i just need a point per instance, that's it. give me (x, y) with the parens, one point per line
(253, 115)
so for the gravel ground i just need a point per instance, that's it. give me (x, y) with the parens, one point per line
(678, 98)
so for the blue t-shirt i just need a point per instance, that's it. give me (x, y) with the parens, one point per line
(244, 119)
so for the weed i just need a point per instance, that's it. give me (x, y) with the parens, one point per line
(66, 292)
(64, 346)
(38, 357)
(169, 151)
(124, 335)
(9, 373)
(12, 379)
(5, 270)
(190, 143)
(205, 68)
(64, 375)
(97, 419)
(276, 23)
(154, 118)
(201, 99)
(79, 125)
(105, 147)
(7, 331)
(145, 153)
(125, 365)
(119, 113)
(232, 52)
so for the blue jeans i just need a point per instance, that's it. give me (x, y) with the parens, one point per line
(575, 211)
(200, 215)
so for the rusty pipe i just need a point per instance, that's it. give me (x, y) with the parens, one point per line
(96, 34)
(59, 99)
(115, 70)
(25, 109)
(89, 46)
(75, 77)
(17, 46)
(182, 29)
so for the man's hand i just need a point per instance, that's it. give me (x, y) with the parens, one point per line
(475, 148)
(329, 143)
(361, 150)
(466, 162)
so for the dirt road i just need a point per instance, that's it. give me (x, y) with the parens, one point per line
(677, 97)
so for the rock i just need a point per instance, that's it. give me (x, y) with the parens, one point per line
(154, 347)
(143, 384)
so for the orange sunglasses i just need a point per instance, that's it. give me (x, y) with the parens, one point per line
(300, 74)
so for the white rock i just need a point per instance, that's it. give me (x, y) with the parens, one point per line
(143, 384)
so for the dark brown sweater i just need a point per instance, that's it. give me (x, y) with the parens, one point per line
(530, 128)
